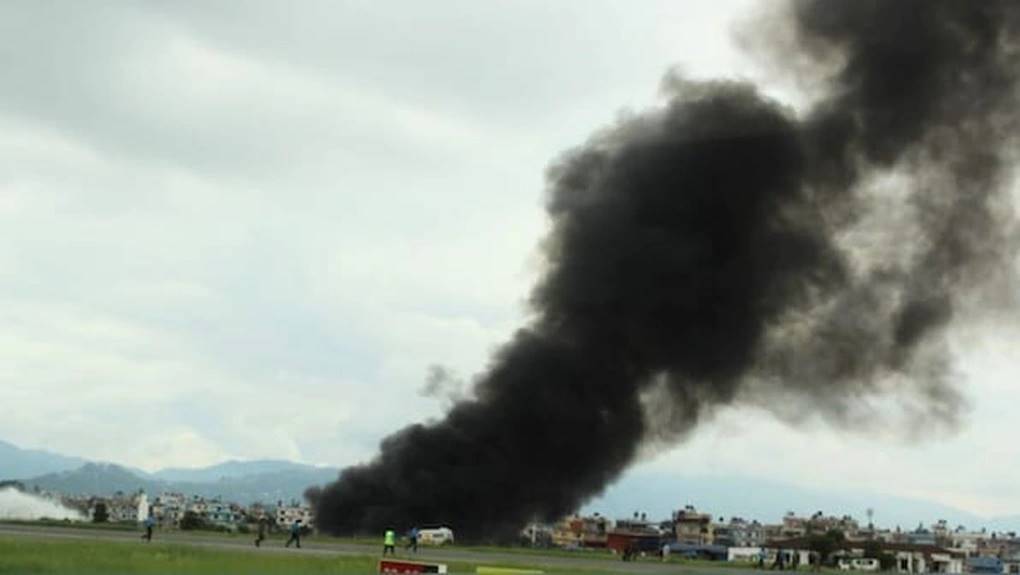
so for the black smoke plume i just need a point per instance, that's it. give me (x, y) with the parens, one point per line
(723, 248)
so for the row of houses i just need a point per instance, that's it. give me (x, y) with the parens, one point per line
(119, 508)
(170, 509)
(793, 540)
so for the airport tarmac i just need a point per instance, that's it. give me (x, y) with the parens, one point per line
(325, 547)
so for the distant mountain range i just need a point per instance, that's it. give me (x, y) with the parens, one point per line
(657, 494)
(20, 463)
(755, 498)
(240, 481)
(229, 470)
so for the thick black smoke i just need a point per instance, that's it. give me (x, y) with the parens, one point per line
(723, 249)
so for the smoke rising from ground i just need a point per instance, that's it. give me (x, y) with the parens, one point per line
(723, 249)
(443, 384)
(16, 504)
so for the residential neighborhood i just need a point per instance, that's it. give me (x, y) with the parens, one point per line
(792, 542)
(180, 511)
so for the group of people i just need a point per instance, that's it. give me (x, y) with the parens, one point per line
(390, 541)
(260, 536)
(295, 533)
(389, 537)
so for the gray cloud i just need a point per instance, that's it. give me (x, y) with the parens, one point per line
(195, 201)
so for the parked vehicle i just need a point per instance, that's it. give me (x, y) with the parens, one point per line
(437, 536)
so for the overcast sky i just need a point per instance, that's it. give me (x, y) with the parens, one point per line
(244, 230)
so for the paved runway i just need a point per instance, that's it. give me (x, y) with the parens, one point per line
(326, 547)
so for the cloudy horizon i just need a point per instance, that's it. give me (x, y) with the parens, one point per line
(248, 232)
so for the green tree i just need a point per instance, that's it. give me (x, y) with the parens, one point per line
(99, 513)
(873, 549)
(825, 545)
(192, 520)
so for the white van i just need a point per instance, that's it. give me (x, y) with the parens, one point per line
(437, 536)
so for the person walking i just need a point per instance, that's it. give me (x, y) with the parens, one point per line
(149, 523)
(295, 534)
(629, 552)
(778, 563)
(261, 535)
(412, 540)
(389, 542)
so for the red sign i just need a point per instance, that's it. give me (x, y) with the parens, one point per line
(399, 566)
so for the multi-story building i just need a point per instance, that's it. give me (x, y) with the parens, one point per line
(578, 531)
(636, 533)
(1001, 545)
(256, 511)
(197, 505)
(288, 514)
(819, 524)
(142, 507)
(793, 526)
(120, 508)
(692, 527)
(224, 514)
(738, 532)
(168, 508)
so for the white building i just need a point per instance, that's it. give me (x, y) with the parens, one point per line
(743, 554)
(288, 514)
(143, 507)
(168, 508)
(220, 513)
(927, 561)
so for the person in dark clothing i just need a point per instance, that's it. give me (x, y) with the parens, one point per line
(629, 552)
(778, 563)
(149, 523)
(412, 540)
(295, 534)
(261, 535)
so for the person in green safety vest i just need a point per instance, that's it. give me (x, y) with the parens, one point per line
(389, 542)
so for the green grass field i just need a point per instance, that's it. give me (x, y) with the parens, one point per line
(23, 555)
(276, 539)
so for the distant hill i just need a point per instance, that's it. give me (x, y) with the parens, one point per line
(265, 480)
(659, 494)
(282, 482)
(94, 479)
(1005, 523)
(269, 487)
(229, 470)
(17, 463)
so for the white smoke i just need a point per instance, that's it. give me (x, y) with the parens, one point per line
(15, 504)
